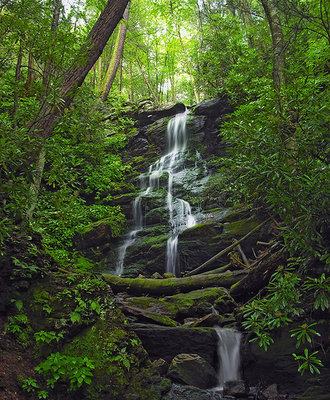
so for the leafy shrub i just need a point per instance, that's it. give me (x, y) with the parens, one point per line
(74, 371)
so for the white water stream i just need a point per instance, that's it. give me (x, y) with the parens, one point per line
(179, 210)
(229, 354)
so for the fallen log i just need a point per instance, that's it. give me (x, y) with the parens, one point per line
(224, 251)
(159, 287)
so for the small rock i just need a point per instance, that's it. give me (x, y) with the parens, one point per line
(235, 388)
(168, 275)
(160, 366)
(208, 320)
(271, 392)
(156, 275)
(140, 276)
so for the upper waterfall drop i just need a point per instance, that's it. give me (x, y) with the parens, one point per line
(168, 173)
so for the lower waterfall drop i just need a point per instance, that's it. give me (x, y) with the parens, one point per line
(229, 354)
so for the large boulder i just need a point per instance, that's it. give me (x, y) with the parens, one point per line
(165, 342)
(192, 369)
(214, 107)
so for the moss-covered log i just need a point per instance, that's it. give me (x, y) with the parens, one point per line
(170, 286)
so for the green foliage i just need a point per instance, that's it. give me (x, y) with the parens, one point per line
(30, 384)
(321, 291)
(74, 371)
(47, 337)
(274, 310)
(308, 362)
(304, 333)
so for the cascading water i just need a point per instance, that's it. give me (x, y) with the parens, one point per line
(180, 215)
(229, 354)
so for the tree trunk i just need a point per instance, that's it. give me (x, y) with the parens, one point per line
(275, 26)
(189, 65)
(18, 76)
(115, 58)
(170, 286)
(48, 66)
(131, 92)
(31, 73)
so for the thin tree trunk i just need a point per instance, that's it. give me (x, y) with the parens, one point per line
(31, 74)
(130, 73)
(146, 80)
(48, 66)
(18, 76)
(116, 58)
(189, 65)
(99, 72)
(278, 43)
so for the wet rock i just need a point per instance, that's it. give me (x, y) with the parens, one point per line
(192, 369)
(166, 342)
(235, 388)
(201, 242)
(179, 392)
(214, 107)
(208, 320)
(149, 116)
(195, 304)
(156, 275)
(160, 366)
(271, 392)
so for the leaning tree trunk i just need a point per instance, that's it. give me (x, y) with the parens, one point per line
(116, 58)
(88, 54)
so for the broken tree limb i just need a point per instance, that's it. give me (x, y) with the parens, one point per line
(159, 287)
(224, 251)
(257, 278)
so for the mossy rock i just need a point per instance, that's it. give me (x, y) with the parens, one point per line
(122, 367)
(196, 303)
(146, 256)
(98, 233)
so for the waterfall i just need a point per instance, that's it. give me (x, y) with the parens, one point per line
(229, 354)
(180, 214)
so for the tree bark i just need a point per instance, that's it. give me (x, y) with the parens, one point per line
(115, 58)
(172, 285)
(48, 66)
(275, 26)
